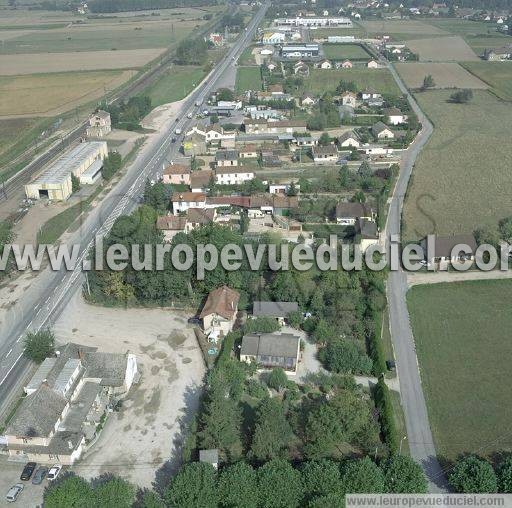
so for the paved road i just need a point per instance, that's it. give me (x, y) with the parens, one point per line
(50, 291)
(419, 435)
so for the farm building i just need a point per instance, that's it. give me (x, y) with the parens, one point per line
(85, 161)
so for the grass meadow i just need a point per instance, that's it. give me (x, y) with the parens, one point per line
(381, 80)
(462, 336)
(345, 51)
(462, 177)
(248, 78)
(498, 75)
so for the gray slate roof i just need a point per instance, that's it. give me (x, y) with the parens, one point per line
(46, 404)
(109, 367)
(270, 344)
(274, 309)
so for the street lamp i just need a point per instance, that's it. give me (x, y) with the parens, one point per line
(401, 441)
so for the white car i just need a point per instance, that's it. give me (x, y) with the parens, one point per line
(54, 472)
(14, 492)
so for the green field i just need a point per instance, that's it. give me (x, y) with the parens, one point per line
(480, 43)
(381, 80)
(462, 336)
(463, 27)
(498, 75)
(248, 78)
(176, 84)
(329, 32)
(345, 51)
(461, 178)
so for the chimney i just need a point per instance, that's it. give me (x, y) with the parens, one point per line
(70, 445)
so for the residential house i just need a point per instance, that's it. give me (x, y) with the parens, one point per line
(308, 100)
(347, 214)
(394, 116)
(381, 131)
(349, 140)
(301, 69)
(182, 201)
(220, 310)
(171, 225)
(346, 64)
(176, 174)
(443, 249)
(216, 39)
(255, 126)
(287, 127)
(324, 64)
(99, 124)
(200, 180)
(269, 350)
(325, 154)
(274, 204)
(226, 158)
(372, 64)
(499, 54)
(282, 188)
(367, 233)
(233, 175)
(271, 66)
(369, 94)
(276, 310)
(270, 159)
(67, 398)
(276, 90)
(248, 152)
(306, 141)
(349, 99)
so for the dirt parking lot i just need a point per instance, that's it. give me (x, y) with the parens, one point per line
(146, 434)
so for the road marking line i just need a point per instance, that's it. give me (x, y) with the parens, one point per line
(8, 354)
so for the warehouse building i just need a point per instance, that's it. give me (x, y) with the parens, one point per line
(85, 161)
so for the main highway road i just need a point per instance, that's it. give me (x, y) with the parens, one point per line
(50, 290)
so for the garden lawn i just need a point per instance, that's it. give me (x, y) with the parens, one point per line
(462, 335)
(248, 78)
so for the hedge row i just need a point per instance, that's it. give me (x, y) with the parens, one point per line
(386, 417)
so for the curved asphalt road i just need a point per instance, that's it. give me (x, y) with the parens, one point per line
(419, 435)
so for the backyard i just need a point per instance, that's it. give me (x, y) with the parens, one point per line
(461, 179)
(464, 362)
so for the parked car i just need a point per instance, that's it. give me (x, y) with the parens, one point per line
(194, 321)
(14, 492)
(39, 475)
(28, 470)
(54, 471)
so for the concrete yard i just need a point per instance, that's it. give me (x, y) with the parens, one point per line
(146, 434)
(32, 495)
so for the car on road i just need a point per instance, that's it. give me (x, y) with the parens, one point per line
(54, 471)
(28, 470)
(190, 115)
(14, 492)
(39, 475)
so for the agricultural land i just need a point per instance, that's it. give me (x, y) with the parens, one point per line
(461, 337)
(498, 75)
(442, 49)
(346, 52)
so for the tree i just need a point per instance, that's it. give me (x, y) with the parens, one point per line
(295, 319)
(355, 155)
(156, 196)
(272, 432)
(225, 94)
(428, 82)
(70, 491)
(75, 183)
(150, 499)
(195, 486)
(461, 96)
(345, 357)
(320, 478)
(261, 325)
(324, 139)
(238, 486)
(280, 485)
(488, 235)
(404, 476)
(365, 170)
(111, 165)
(473, 475)
(39, 345)
(504, 474)
(363, 476)
(505, 228)
(277, 379)
(114, 491)
(292, 190)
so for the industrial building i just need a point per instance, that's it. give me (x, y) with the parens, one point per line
(300, 51)
(84, 161)
(314, 22)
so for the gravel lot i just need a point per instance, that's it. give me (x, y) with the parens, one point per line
(146, 435)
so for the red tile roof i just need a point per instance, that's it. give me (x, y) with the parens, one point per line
(222, 301)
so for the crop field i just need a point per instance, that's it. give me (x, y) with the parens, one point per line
(446, 75)
(480, 43)
(49, 94)
(463, 27)
(98, 37)
(345, 51)
(442, 49)
(13, 65)
(465, 363)
(380, 79)
(13, 129)
(248, 78)
(176, 84)
(403, 27)
(461, 179)
(498, 75)
(327, 32)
